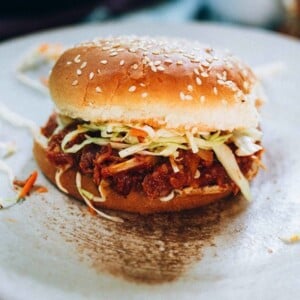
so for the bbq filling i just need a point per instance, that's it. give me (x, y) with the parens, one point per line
(156, 162)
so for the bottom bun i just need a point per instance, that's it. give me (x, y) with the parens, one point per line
(134, 201)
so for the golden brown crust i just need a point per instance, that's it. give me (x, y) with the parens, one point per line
(154, 81)
(134, 202)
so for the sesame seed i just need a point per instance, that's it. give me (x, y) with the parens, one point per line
(229, 65)
(239, 94)
(188, 97)
(179, 62)
(69, 63)
(78, 72)
(155, 52)
(153, 68)
(202, 99)
(198, 81)
(98, 71)
(229, 83)
(105, 48)
(220, 82)
(201, 67)
(104, 61)
(224, 102)
(204, 74)
(132, 50)
(91, 76)
(75, 82)
(160, 68)
(113, 54)
(77, 59)
(244, 72)
(147, 59)
(182, 96)
(196, 71)
(135, 66)
(157, 63)
(122, 62)
(98, 89)
(190, 88)
(215, 90)
(142, 84)
(132, 89)
(209, 59)
(169, 61)
(205, 64)
(144, 95)
(219, 76)
(188, 56)
(83, 65)
(246, 85)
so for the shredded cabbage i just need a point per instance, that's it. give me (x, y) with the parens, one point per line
(246, 140)
(173, 164)
(7, 202)
(101, 192)
(88, 197)
(133, 149)
(58, 175)
(168, 197)
(9, 148)
(161, 142)
(13, 199)
(227, 159)
(4, 167)
(164, 142)
(70, 136)
(192, 142)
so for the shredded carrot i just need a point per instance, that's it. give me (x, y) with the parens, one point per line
(44, 80)
(138, 132)
(41, 189)
(29, 182)
(43, 47)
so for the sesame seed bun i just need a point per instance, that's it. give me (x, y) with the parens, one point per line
(159, 82)
(135, 201)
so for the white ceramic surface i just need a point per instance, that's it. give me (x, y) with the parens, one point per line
(51, 248)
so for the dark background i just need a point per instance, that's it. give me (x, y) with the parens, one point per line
(18, 17)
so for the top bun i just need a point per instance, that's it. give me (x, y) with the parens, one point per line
(160, 82)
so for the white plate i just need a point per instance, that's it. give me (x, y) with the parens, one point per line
(52, 248)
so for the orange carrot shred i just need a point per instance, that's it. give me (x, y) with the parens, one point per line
(43, 47)
(138, 132)
(29, 182)
(44, 80)
(42, 189)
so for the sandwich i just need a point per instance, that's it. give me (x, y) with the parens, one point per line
(150, 125)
